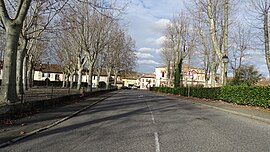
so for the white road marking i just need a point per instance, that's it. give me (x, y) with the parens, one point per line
(157, 145)
(152, 115)
(157, 142)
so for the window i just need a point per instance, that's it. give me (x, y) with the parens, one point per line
(198, 77)
(142, 80)
(43, 74)
(154, 81)
(163, 74)
(57, 77)
(49, 75)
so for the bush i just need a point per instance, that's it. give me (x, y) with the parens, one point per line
(246, 95)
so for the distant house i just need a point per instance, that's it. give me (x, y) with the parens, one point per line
(54, 72)
(51, 71)
(191, 75)
(148, 81)
(131, 82)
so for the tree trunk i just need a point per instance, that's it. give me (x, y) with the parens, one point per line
(108, 77)
(90, 79)
(115, 78)
(213, 30)
(71, 80)
(226, 38)
(30, 72)
(8, 90)
(168, 73)
(79, 78)
(98, 77)
(25, 61)
(266, 40)
(19, 70)
(64, 81)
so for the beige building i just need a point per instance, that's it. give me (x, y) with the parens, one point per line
(190, 76)
(148, 81)
(131, 82)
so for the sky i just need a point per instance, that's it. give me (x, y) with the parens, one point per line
(147, 20)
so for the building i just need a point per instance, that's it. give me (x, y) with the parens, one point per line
(131, 82)
(147, 81)
(190, 76)
(54, 72)
(51, 71)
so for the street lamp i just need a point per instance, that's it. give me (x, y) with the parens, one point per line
(225, 61)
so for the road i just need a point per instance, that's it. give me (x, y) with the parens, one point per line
(141, 121)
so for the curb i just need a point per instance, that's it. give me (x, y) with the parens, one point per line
(12, 141)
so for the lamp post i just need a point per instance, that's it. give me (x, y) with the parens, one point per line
(225, 61)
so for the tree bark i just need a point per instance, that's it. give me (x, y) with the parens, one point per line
(25, 67)
(90, 79)
(79, 78)
(20, 59)
(9, 93)
(266, 39)
(30, 72)
(109, 70)
(13, 28)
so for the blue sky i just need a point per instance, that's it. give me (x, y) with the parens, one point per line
(146, 21)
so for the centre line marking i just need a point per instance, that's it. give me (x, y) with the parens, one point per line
(157, 142)
(152, 115)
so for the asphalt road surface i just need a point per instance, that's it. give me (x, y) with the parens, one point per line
(140, 121)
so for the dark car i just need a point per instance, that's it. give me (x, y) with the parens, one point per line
(125, 87)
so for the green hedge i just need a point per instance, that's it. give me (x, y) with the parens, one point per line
(243, 95)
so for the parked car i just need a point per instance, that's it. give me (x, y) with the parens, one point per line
(125, 87)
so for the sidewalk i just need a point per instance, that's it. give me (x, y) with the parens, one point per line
(15, 130)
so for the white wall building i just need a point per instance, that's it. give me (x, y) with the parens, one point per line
(148, 81)
(191, 76)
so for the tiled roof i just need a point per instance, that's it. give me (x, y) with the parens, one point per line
(149, 76)
(183, 66)
(49, 68)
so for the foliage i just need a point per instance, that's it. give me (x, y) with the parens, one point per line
(246, 75)
(243, 95)
(246, 95)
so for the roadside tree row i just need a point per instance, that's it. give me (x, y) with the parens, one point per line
(213, 31)
(73, 33)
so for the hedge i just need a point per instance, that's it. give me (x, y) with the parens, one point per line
(243, 95)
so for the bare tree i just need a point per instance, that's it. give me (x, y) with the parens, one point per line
(181, 40)
(241, 42)
(38, 21)
(166, 55)
(13, 26)
(261, 9)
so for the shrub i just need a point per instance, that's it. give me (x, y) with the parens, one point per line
(243, 95)
(246, 95)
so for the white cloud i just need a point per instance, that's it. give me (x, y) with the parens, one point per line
(144, 55)
(159, 26)
(147, 20)
(156, 41)
(146, 50)
(148, 62)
